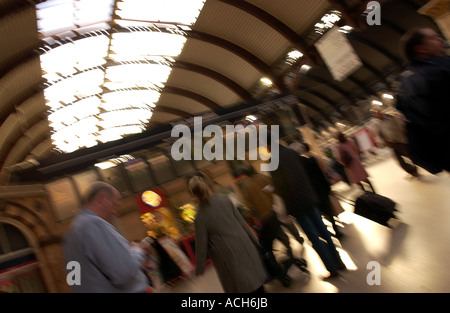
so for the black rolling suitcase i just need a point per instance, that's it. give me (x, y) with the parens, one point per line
(375, 207)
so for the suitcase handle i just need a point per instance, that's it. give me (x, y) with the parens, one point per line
(344, 199)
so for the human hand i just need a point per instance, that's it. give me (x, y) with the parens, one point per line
(142, 245)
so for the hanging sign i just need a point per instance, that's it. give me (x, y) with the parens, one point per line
(338, 54)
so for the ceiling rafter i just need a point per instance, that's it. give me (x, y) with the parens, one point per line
(331, 85)
(326, 100)
(235, 87)
(252, 59)
(174, 111)
(192, 95)
(295, 39)
(377, 73)
(314, 107)
(375, 46)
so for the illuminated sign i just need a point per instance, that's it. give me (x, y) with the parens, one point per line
(151, 198)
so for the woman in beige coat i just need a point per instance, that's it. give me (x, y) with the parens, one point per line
(222, 234)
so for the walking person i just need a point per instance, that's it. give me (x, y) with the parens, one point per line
(423, 98)
(348, 155)
(293, 185)
(257, 190)
(221, 233)
(320, 183)
(391, 129)
(109, 263)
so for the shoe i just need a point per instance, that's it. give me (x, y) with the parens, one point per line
(341, 267)
(331, 275)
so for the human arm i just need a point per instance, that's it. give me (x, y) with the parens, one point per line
(111, 254)
(242, 222)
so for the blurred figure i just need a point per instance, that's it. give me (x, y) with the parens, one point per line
(348, 155)
(392, 130)
(423, 99)
(294, 187)
(320, 183)
(221, 233)
(108, 262)
(337, 167)
(257, 190)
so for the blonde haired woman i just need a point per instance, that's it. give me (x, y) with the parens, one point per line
(221, 233)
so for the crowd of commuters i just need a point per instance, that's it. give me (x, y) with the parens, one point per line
(112, 264)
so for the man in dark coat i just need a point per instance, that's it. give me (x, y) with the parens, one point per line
(319, 182)
(293, 185)
(423, 99)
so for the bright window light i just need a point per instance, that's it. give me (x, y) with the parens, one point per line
(388, 96)
(345, 29)
(327, 21)
(305, 69)
(137, 75)
(117, 118)
(105, 165)
(141, 45)
(115, 133)
(293, 56)
(75, 112)
(57, 16)
(376, 102)
(266, 82)
(120, 100)
(173, 11)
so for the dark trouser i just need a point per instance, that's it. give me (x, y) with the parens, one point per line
(314, 228)
(401, 150)
(270, 230)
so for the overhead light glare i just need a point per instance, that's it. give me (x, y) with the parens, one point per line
(266, 81)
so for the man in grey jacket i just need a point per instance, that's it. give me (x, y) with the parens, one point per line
(107, 261)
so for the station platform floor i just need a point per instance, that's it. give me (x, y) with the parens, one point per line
(412, 257)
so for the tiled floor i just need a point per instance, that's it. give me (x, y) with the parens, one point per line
(413, 257)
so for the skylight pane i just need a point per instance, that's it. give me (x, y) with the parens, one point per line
(139, 45)
(79, 86)
(136, 75)
(79, 134)
(77, 111)
(91, 12)
(168, 11)
(118, 132)
(131, 98)
(71, 58)
(57, 16)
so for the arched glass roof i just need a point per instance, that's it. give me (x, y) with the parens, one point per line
(105, 63)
